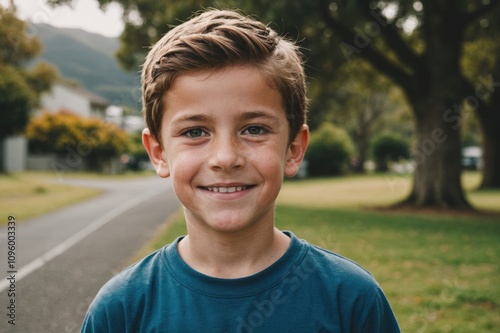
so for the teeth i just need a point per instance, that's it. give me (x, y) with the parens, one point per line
(226, 189)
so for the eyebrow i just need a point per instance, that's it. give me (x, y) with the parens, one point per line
(191, 118)
(245, 116)
(249, 115)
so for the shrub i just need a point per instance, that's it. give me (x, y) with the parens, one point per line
(65, 132)
(389, 147)
(54, 132)
(137, 155)
(329, 151)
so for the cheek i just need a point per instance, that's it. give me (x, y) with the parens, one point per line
(183, 166)
(271, 161)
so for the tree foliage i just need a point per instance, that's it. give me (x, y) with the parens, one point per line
(16, 46)
(16, 98)
(364, 106)
(20, 88)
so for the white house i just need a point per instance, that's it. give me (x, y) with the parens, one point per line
(64, 96)
(130, 123)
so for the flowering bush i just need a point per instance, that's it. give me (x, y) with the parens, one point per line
(64, 131)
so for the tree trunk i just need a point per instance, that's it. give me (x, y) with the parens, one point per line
(358, 166)
(436, 102)
(491, 160)
(436, 181)
(490, 121)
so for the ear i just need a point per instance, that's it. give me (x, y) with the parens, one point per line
(296, 151)
(156, 153)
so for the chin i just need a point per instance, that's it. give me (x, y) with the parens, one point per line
(230, 221)
(230, 226)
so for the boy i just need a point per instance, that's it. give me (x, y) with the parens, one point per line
(224, 101)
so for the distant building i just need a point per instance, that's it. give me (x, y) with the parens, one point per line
(64, 96)
(130, 123)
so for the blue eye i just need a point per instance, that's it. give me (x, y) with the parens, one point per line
(256, 130)
(194, 133)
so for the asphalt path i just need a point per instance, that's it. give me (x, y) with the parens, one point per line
(63, 258)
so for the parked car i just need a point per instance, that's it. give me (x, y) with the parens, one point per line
(472, 158)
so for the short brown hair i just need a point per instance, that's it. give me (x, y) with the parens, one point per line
(217, 39)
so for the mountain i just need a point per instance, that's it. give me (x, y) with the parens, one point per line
(89, 59)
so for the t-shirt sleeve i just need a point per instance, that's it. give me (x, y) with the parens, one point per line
(378, 316)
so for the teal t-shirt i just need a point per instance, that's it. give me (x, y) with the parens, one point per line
(307, 290)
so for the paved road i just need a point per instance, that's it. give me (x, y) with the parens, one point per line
(63, 258)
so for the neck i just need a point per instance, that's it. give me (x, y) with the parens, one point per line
(233, 255)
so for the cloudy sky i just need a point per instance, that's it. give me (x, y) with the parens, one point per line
(83, 14)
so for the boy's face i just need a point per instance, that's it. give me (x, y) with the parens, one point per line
(225, 146)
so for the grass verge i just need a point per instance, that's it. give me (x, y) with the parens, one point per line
(29, 194)
(439, 273)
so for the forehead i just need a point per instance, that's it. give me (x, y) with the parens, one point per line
(228, 90)
(229, 72)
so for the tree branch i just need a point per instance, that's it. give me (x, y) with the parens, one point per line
(393, 38)
(368, 52)
(472, 16)
(482, 107)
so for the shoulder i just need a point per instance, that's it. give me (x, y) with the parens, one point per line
(345, 281)
(354, 290)
(336, 267)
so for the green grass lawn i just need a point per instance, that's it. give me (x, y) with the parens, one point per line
(373, 190)
(440, 272)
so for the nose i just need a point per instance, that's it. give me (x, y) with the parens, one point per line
(226, 154)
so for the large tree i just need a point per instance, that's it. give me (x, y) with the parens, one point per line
(425, 63)
(418, 45)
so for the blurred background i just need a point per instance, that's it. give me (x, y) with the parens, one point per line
(400, 86)
(404, 119)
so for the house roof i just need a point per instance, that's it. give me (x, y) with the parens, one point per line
(94, 99)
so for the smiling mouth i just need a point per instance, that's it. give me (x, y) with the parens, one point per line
(230, 189)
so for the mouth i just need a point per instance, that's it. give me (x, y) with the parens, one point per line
(227, 189)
